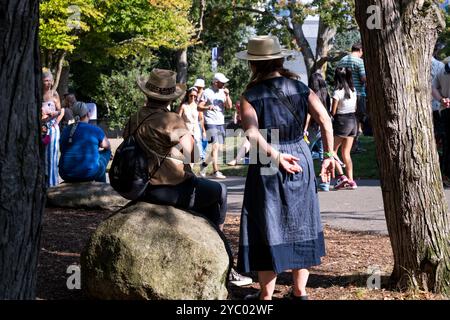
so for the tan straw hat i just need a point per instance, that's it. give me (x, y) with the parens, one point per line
(161, 85)
(263, 48)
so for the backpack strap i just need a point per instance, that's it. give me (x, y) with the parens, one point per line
(133, 202)
(155, 169)
(72, 131)
(285, 100)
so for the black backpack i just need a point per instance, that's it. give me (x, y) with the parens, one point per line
(128, 174)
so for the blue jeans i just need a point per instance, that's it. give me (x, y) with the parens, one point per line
(100, 175)
(103, 158)
(315, 138)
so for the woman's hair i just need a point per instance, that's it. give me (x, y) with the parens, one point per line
(188, 93)
(343, 79)
(265, 67)
(46, 74)
(317, 84)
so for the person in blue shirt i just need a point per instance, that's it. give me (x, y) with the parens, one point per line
(85, 149)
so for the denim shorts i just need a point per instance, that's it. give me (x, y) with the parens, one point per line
(345, 125)
(215, 133)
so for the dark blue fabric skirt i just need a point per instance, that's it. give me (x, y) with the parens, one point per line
(280, 220)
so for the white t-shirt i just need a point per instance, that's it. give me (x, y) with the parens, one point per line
(216, 99)
(345, 105)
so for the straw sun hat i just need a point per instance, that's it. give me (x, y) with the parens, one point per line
(161, 85)
(263, 48)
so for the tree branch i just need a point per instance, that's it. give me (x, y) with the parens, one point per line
(202, 8)
(261, 12)
(331, 58)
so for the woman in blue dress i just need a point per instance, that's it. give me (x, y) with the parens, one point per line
(280, 222)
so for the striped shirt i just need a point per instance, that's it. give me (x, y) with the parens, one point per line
(358, 71)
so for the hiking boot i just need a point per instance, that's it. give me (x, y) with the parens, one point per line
(203, 168)
(340, 183)
(350, 185)
(238, 279)
(219, 175)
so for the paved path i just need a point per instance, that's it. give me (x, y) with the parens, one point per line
(353, 210)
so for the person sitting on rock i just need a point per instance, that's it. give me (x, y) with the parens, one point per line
(169, 145)
(85, 149)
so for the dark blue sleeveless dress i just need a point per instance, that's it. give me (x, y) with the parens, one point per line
(280, 220)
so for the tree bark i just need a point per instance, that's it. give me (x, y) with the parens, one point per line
(58, 68)
(302, 42)
(398, 59)
(182, 65)
(63, 86)
(22, 183)
(325, 38)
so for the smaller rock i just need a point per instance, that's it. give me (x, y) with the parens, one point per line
(89, 195)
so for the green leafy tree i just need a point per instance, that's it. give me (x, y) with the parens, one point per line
(131, 32)
(62, 22)
(118, 93)
(445, 35)
(135, 26)
(286, 19)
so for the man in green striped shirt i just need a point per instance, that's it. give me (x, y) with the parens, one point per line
(356, 64)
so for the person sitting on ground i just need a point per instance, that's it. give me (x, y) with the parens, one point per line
(345, 125)
(81, 157)
(168, 145)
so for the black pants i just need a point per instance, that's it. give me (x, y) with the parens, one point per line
(445, 122)
(209, 198)
(206, 197)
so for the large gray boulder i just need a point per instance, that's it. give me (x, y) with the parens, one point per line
(89, 195)
(155, 252)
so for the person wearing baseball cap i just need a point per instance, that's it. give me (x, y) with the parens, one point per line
(217, 101)
(221, 77)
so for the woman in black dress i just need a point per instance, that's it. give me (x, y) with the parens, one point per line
(280, 222)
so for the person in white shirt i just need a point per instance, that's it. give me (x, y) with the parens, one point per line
(345, 124)
(441, 92)
(217, 101)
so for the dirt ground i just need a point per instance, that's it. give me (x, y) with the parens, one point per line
(342, 275)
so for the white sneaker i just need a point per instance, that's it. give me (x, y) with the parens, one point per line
(219, 175)
(203, 170)
(238, 279)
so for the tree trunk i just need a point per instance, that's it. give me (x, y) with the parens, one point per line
(325, 38)
(22, 184)
(398, 59)
(58, 68)
(182, 65)
(307, 52)
(63, 86)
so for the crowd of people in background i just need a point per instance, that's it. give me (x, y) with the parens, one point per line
(311, 123)
(204, 110)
